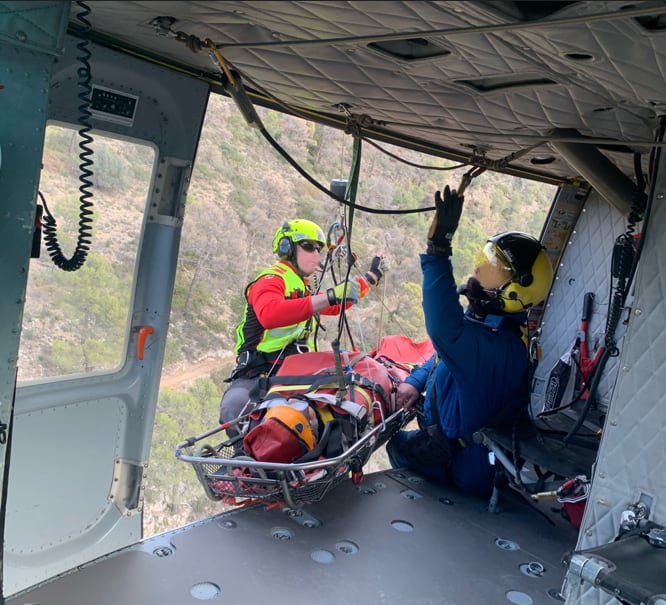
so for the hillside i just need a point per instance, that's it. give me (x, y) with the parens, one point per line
(241, 191)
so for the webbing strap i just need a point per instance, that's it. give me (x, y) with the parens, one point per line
(357, 410)
(324, 380)
(277, 390)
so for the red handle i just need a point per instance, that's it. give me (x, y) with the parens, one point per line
(141, 342)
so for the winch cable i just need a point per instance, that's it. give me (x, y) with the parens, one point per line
(382, 305)
(232, 83)
(350, 196)
(334, 246)
(365, 121)
(338, 245)
(412, 164)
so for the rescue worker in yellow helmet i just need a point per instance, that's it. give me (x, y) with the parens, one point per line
(280, 306)
(478, 375)
(511, 274)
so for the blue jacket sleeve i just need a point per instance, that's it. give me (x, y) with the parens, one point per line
(419, 376)
(445, 319)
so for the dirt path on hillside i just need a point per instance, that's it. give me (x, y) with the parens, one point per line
(180, 379)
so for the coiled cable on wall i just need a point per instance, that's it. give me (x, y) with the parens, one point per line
(85, 221)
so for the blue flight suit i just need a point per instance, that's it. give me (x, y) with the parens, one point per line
(480, 379)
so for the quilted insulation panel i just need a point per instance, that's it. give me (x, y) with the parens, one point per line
(630, 465)
(585, 266)
(489, 80)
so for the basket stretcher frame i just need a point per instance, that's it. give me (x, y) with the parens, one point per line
(290, 484)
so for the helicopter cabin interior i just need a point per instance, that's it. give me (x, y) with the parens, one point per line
(567, 93)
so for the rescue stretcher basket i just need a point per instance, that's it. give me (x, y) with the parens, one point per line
(241, 480)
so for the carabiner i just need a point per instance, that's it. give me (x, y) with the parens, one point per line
(332, 238)
(302, 347)
(473, 172)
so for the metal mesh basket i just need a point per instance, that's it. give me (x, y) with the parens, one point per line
(243, 480)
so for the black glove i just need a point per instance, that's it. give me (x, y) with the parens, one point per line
(445, 222)
(375, 273)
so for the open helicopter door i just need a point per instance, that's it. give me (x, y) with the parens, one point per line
(27, 49)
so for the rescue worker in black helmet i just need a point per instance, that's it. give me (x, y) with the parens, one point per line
(277, 318)
(478, 375)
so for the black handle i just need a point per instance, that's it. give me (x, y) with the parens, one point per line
(588, 301)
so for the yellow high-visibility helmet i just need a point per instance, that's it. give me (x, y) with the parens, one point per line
(516, 268)
(295, 231)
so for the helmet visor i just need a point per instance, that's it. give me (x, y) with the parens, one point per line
(492, 268)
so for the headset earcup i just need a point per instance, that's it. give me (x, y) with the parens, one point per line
(285, 248)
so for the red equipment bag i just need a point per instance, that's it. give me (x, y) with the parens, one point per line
(373, 377)
(369, 384)
(403, 351)
(284, 434)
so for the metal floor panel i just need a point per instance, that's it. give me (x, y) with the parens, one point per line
(392, 540)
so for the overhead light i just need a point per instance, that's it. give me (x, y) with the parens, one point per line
(410, 49)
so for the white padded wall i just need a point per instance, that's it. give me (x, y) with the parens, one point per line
(630, 465)
(633, 450)
(584, 267)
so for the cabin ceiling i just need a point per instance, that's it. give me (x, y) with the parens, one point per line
(498, 80)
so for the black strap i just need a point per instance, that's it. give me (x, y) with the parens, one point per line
(322, 380)
(432, 375)
(259, 390)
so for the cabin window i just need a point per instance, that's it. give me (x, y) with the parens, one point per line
(76, 321)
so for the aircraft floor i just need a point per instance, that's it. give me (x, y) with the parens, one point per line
(394, 539)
